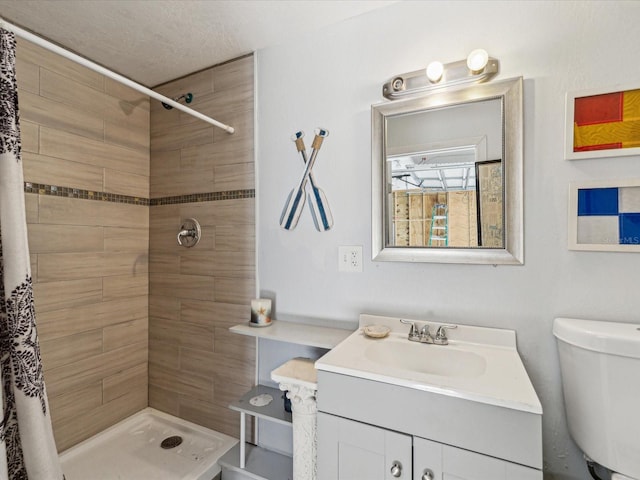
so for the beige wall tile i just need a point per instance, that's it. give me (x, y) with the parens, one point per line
(67, 294)
(182, 286)
(222, 212)
(123, 113)
(87, 424)
(195, 335)
(218, 264)
(179, 136)
(69, 211)
(69, 266)
(231, 344)
(72, 348)
(214, 313)
(220, 368)
(31, 207)
(34, 268)
(46, 238)
(162, 354)
(235, 238)
(163, 400)
(95, 368)
(136, 265)
(118, 385)
(184, 183)
(27, 76)
(122, 286)
(126, 239)
(51, 113)
(67, 90)
(68, 405)
(68, 321)
(191, 384)
(30, 136)
(238, 176)
(127, 136)
(235, 290)
(126, 183)
(164, 307)
(126, 333)
(164, 263)
(57, 171)
(165, 330)
(229, 76)
(32, 53)
(57, 143)
(211, 416)
(123, 215)
(128, 94)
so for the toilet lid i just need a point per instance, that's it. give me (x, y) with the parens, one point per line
(619, 476)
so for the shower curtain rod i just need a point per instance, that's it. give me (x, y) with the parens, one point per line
(108, 73)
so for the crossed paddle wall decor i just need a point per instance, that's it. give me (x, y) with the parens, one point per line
(318, 203)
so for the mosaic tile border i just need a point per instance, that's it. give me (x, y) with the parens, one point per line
(204, 197)
(69, 192)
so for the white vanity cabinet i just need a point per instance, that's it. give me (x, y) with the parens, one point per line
(466, 411)
(350, 450)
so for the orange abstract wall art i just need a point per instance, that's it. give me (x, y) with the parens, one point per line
(607, 121)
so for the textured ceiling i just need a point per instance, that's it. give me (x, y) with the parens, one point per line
(154, 41)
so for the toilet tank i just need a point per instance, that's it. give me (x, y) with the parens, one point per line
(600, 367)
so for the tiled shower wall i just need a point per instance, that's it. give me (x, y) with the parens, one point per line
(196, 367)
(85, 143)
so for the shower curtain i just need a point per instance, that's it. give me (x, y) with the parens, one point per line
(27, 447)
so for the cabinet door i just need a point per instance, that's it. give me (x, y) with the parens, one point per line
(349, 450)
(450, 463)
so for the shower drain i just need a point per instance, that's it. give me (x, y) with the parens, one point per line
(171, 442)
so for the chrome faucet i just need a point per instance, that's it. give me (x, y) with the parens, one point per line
(424, 335)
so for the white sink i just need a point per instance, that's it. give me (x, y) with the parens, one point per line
(400, 354)
(479, 364)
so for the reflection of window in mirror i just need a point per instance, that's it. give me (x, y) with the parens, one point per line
(437, 197)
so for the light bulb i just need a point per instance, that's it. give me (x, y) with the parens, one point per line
(477, 60)
(434, 71)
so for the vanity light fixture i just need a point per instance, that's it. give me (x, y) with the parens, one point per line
(434, 71)
(478, 67)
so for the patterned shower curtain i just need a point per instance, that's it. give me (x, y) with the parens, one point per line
(27, 447)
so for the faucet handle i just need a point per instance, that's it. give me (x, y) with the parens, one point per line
(413, 330)
(441, 334)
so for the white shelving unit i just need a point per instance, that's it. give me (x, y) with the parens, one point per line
(298, 333)
(255, 462)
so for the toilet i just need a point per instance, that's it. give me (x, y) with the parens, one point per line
(600, 367)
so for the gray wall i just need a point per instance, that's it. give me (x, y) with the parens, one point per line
(331, 78)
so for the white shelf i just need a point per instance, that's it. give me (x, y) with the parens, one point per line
(298, 333)
(261, 464)
(274, 412)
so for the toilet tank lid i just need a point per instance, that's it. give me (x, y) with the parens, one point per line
(621, 339)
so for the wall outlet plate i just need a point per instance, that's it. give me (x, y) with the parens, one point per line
(350, 258)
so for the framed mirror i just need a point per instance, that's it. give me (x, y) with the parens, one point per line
(447, 176)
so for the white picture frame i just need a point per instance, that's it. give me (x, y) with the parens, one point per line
(594, 232)
(570, 153)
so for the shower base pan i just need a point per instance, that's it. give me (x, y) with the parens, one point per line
(148, 445)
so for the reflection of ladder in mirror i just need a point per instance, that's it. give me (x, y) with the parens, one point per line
(438, 233)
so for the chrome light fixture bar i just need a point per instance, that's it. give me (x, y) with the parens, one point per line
(477, 68)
